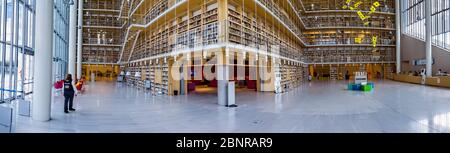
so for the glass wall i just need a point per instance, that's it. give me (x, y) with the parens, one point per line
(413, 19)
(17, 35)
(16, 47)
(60, 39)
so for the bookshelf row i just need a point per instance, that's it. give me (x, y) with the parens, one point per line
(201, 28)
(102, 36)
(153, 9)
(348, 36)
(291, 75)
(387, 6)
(104, 54)
(104, 19)
(101, 44)
(155, 74)
(158, 8)
(158, 75)
(348, 19)
(102, 4)
(248, 29)
(349, 55)
(197, 28)
(282, 14)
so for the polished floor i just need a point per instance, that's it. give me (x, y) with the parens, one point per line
(316, 107)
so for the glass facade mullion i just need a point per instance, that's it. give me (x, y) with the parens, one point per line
(3, 48)
(15, 53)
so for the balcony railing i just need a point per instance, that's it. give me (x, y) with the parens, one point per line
(153, 12)
(275, 9)
(102, 4)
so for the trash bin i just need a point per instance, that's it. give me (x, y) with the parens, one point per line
(231, 98)
(350, 86)
(175, 92)
(24, 107)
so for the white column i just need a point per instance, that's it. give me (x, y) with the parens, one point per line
(428, 47)
(80, 38)
(398, 36)
(42, 87)
(222, 84)
(222, 72)
(72, 38)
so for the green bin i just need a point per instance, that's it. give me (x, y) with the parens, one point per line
(366, 88)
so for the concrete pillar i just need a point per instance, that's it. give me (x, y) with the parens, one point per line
(80, 38)
(428, 38)
(222, 78)
(73, 38)
(42, 87)
(222, 86)
(222, 69)
(398, 36)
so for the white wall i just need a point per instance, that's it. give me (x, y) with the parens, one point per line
(413, 49)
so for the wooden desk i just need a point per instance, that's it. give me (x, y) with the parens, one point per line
(441, 81)
(408, 78)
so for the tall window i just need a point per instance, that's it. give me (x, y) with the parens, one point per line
(413, 19)
(17, 42)
(16, 47)
(60, 39)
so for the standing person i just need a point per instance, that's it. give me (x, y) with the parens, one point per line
(439, 72)
(347, 75)
(69, 93)
(423, 73)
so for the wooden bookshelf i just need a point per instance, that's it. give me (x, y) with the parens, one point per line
(292, 75)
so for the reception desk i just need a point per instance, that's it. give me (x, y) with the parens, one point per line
(441, 81)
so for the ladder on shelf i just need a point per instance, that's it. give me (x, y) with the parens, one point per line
(333, 73)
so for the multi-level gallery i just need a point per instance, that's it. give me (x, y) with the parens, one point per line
(224, 66)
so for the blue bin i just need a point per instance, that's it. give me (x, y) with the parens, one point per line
(350, 86)
(357, 87)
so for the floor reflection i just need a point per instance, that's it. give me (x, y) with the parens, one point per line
(314, 107)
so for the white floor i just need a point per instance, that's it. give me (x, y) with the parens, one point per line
(316, 107)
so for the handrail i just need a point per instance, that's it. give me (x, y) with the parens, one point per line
(9, 90)
(134, 45)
